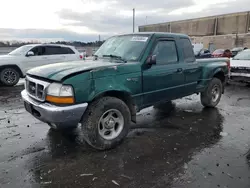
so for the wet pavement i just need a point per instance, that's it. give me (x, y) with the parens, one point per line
(190, 147)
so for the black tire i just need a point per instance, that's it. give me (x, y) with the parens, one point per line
(13, 72)
(207, 97)
(91, 122)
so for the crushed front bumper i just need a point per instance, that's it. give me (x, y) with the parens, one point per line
(59, 116)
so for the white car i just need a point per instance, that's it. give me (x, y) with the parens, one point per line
(240, 67)
(15, 65)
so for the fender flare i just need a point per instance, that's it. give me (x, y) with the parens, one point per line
(124, 96)
(218, 70)
(220, 74)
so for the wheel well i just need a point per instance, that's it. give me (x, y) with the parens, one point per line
(221, 76)
(125, 97)
(14, 67)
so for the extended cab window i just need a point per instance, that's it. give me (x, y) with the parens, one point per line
(187, 50)
(165, 52)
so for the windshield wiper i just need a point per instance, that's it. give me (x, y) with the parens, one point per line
(115, 56)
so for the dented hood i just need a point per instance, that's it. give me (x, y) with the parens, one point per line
(60, 70)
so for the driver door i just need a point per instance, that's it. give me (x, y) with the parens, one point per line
(38, 59)
(163, 81)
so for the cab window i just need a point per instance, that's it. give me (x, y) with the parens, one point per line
(165, 51)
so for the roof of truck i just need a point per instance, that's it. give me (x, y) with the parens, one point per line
(159, 34)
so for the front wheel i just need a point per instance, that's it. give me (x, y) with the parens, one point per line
(106, 123)
(9, 76)
(212, 95)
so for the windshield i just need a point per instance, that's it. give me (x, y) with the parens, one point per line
(21, 50)
(244, 55)
(237, 49)
(127, 47)
(197, 51)
(218, 51)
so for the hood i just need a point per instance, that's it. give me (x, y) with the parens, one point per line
(5, 57)
(240, 63)
(60, 70)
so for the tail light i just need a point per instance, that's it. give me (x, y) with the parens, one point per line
(81, 56)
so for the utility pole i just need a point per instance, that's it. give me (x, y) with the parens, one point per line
(133, 20)
(146, 20)
(99, 38)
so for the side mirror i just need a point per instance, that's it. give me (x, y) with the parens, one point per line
(30, 53)
(151, 60)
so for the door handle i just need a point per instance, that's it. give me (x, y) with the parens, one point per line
(179, 70)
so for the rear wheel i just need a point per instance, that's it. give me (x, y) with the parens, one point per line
(212, 95)
(106, 123)
(9, 76)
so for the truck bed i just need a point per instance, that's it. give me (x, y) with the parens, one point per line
(212, 60)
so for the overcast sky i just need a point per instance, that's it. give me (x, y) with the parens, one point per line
(84, 20)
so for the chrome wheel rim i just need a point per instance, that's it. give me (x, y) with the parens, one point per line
(111, 124)
(215, 93)
(9, 76)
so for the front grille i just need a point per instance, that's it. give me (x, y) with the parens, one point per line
(40, 91)
(240, 70)
(36, 88)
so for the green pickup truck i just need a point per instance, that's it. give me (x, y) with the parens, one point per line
(128, 73)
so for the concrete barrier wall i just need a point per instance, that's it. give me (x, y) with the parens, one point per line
(223, 31)
(229, 24)
(224, 41)
(214, 25)
(201, 27)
